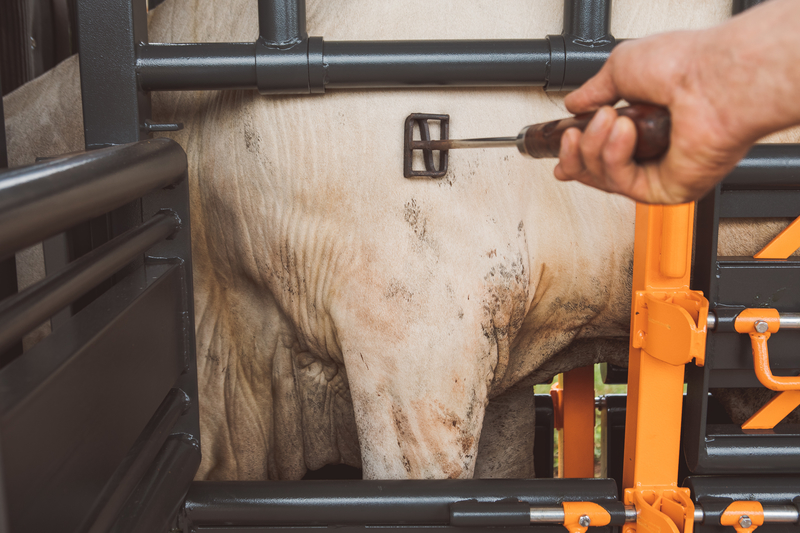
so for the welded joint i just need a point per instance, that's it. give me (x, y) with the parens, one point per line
(178, 223)
(296, 69)
(574, 59)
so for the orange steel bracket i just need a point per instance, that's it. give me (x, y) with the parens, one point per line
(593, 515)
(661, 511)
(784, 244)
(576, 438)
(668, 330)
(733, 515)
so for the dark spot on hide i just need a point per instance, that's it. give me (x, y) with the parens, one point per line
(413, 216)
(397, 289)
(406, 464)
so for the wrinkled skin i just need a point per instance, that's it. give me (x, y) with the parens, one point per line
(346, 314)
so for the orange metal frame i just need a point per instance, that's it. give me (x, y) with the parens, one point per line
(668, 330)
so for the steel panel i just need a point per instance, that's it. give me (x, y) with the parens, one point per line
(72, 407)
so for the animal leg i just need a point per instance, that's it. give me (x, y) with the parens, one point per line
(506, 445)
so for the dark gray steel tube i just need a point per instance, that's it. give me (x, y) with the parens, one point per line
(766, 166)
(387, 64)
(282, 22)
(353, 65)
(197, 66)
(26, 310)
(587, 19)
(40, 200)
(359, 502)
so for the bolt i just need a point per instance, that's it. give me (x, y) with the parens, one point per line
(584, 521)
(745, 521)
(761, 326)
(33, 43)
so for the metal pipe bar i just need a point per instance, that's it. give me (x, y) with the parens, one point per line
(773, 514)
(588, 20)
(547, 515)
(788, 321)
(282, 22)
(197, 66)
(40, 200)
(350, 65)
(23, 312)
(408, 502)
(387, 64)
(766, 166)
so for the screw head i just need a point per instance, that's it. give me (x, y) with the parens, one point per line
(745, 521)
(584, 521)
(761, 326)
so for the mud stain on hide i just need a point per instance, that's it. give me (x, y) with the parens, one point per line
(504, 304)
(252, 140)
(413, 215)
(397, 289)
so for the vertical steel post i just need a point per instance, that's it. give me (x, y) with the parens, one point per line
(282, 22)
(587, 19)
(8, 267)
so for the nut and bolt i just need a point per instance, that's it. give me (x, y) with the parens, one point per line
(744, 520)
(761, 327)
(584, 521)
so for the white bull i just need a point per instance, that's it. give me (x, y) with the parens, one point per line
(346, 314)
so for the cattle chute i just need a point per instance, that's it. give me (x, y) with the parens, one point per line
(127, 487)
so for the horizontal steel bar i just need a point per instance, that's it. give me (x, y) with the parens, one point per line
(40, 200)
(773, 514)
(766, 166)
(197, 66)
(353, 64)
(26, 310)
(788, 321)
(388, 64)
(365, 502)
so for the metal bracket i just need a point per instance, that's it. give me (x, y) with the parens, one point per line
(421, 121)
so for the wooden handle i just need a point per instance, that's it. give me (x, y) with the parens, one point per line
(652, 132)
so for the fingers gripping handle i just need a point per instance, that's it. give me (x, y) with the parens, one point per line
(652, 132)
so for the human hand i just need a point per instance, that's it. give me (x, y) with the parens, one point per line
(706, 79)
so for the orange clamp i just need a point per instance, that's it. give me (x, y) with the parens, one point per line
(760, 324)
(743, 516)
(578, 516)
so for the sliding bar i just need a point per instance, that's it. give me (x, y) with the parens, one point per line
(40, 200)
(26, 310)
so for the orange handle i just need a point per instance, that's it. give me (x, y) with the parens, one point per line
(770, 321)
